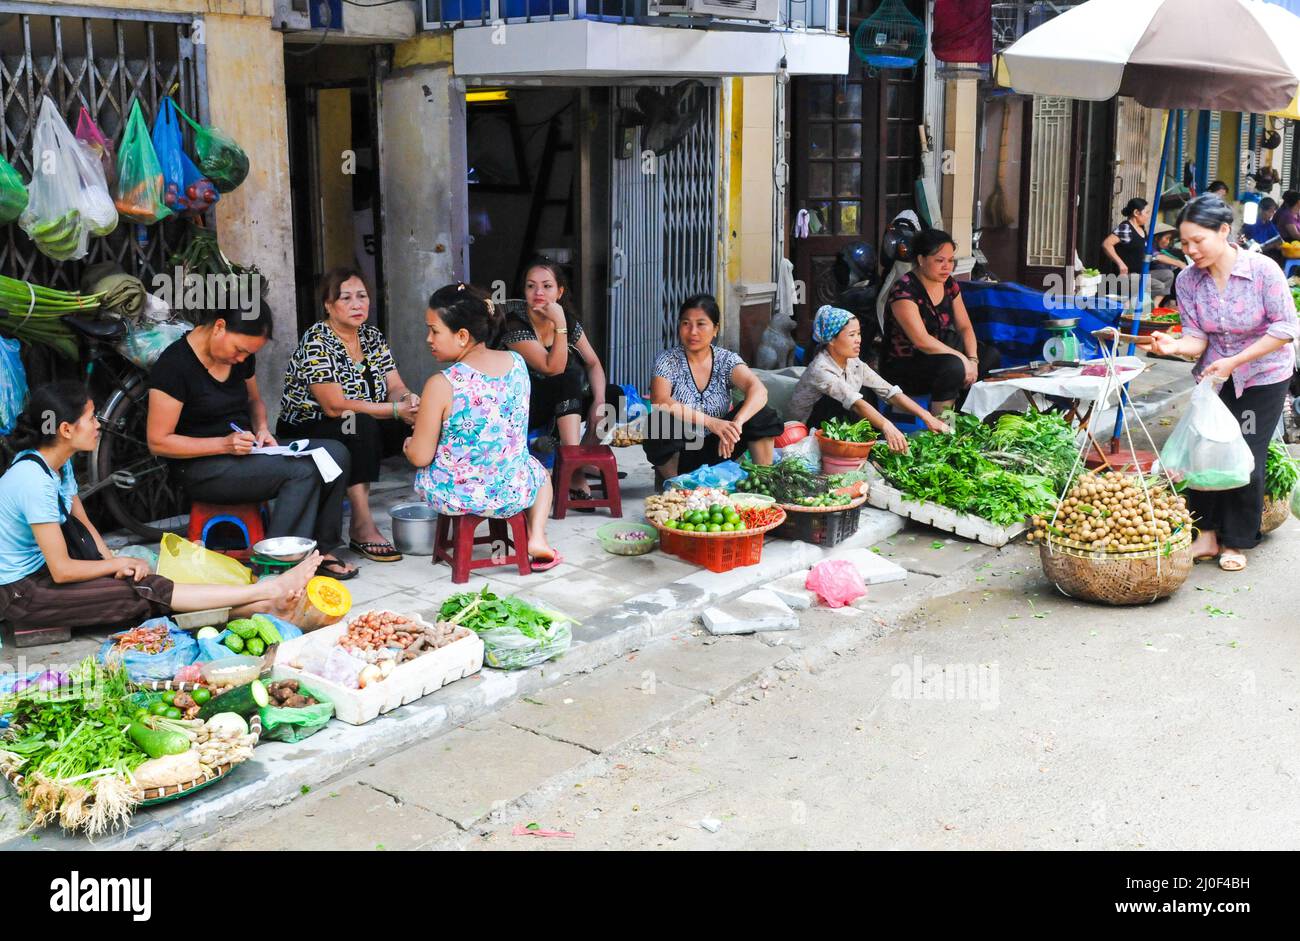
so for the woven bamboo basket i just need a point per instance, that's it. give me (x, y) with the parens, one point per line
(1116, 578)
(1275, 514)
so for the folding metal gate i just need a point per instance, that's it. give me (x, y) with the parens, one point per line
(104, 65)
(1137, 153)
(663, 240)
(1047, 234)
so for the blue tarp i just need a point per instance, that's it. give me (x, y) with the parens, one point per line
(1010, 317)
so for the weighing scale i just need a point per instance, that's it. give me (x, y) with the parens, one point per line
(1063, 345)
(263, 566)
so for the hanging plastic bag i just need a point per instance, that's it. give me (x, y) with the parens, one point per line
(13, 384)
(186, 191)
(139, 177)
(283, 724)
(190, 564)
(53, 217)
(1206, 450)
(220, 159)
(142, 345)
(142, 667)
(89, 134)
(97, 207)
(13, 194)
(837, 582)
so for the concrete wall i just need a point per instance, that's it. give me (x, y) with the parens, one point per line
(422, 113)
(961, 119)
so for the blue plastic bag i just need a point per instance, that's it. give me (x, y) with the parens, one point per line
(142, 667)
(13, 384)
(722, 476)
(212, 648)
(185, 189)
(637, 406)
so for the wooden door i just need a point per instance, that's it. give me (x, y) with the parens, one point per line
(854, 166)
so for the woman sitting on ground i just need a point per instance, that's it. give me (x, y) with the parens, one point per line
(471, 436)
(929, 347)
(56, 571)
(568, 381)
(836, 382)
(206, 415)
(693, 383)
(342, 384)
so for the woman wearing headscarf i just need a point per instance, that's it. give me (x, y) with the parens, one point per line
(836, 383)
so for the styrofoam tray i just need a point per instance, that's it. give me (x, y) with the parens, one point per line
(885, 497)
(408, 681)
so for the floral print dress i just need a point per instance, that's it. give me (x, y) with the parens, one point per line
(482, 465)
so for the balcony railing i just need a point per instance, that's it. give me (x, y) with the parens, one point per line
(779, 14)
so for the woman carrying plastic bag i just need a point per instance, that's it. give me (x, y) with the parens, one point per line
(54, 217)
(1239, 319)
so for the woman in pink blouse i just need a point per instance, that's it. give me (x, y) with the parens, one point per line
(1239, 319)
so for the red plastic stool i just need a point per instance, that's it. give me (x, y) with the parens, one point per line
(457, 549)
(569, 462)
(246, 517)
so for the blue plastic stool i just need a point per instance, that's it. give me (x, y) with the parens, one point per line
(1290, 263)
(546, 460)
(906, 422)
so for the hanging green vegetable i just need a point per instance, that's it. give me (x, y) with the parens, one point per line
(34, 314)
(1280, 472)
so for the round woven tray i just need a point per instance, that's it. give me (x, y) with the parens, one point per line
(748, 532)
(796, 508)
(161, 795)
(1275, 514)
(1119, 578)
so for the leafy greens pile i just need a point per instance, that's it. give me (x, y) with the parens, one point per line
(514, 633)
(1003, 475)
(1280, 472)
(857, 432)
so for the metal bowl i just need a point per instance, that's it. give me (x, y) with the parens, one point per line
(285, 548)
(414, 526)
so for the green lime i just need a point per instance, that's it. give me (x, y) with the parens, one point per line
(159, 708)
(141, 713)
(732, 516)
(174, 713)
(728, 527)
(716, 508)
(670, 524)
(688, 527)
(169, 697)
(202, 695)
(717, 518)
(715, 527)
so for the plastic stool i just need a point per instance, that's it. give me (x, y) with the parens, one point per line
(457, 549)
(1290, 263)
(572, 459)
(545, 458)
(906, 422)
(246, 517)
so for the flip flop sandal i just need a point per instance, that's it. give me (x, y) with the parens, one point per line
(577, 496)
(333, 569)
(376, 551)
(1205, 558)
(1232, 561)
(548, 564)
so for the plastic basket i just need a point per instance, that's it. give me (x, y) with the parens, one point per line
(820, 529)
(717, 554)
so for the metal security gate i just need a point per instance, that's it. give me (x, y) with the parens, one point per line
(1047, 231)
(1137, 154)
(663, 240)
(82, 58)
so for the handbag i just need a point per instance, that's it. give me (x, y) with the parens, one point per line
(81, 544)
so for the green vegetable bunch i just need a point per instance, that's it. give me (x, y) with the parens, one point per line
(1280, 472)
(787, 481)
(1039, 443)
(860, 432)
(488, 611)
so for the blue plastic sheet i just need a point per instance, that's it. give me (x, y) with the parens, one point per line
(142, 667)
(13, 384)
(1010, 317)
(722, 476)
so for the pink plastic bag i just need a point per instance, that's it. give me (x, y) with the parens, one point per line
(837, 582)
(89, 134)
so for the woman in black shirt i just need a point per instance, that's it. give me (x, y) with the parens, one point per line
(206, 414)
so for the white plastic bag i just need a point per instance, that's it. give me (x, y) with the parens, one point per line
(1207, 450)
(97, 206)
(55, 205)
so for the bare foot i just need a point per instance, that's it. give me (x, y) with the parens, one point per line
(540, 551)
(1205, 546)
(291, 584)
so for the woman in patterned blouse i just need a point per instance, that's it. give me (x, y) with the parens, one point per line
(1239, 319)
(343, 384)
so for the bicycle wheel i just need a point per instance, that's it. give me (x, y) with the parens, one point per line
(136, 486)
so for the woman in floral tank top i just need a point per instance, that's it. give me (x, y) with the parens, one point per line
(1239, 319)
(471, 435)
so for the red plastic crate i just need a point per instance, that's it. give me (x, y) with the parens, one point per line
(715, 553)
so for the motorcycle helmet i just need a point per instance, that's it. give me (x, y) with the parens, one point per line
(897, 243)
(854, 264)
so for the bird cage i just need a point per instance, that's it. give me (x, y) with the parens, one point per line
(890, 38)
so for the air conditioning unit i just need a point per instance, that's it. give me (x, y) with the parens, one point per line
(762, 11)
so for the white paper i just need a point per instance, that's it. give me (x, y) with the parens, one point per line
(326, 466)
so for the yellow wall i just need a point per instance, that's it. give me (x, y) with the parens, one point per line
(754, 223)
(961, 119)
(255, 8)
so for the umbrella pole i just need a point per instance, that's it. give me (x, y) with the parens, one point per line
(1139, 303)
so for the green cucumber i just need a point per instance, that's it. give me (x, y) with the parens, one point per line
(244, 701)
(234, 643)
(267, 630)
(156, 743)
(244, 627)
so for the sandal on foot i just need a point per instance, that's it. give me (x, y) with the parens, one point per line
(1232, 561)
(547, 564)
(334, 568)
(376, 551)
(579, 497)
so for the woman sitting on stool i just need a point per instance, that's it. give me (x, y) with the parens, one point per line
(342, 384)
(836, 382)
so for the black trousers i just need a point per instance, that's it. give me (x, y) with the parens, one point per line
(828, 408)
(367, 439)
(304, 504)
(766, 423)
(941, 376)
(1234, 515)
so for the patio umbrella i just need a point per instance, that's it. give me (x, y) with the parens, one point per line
(1215, 55)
